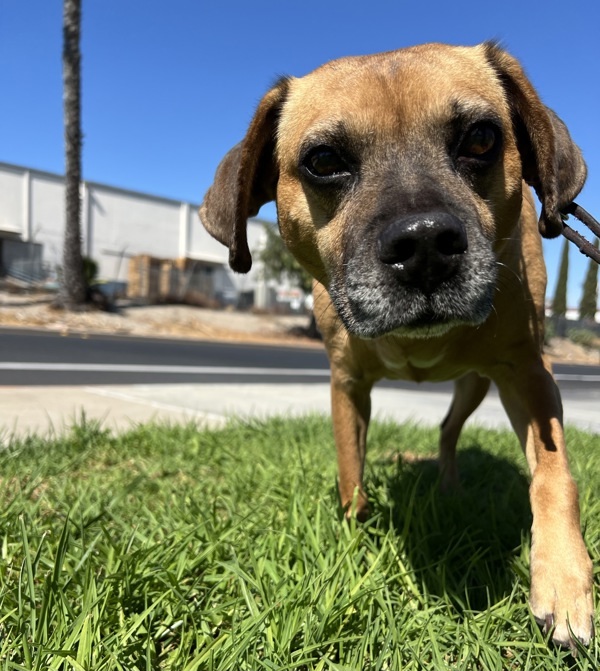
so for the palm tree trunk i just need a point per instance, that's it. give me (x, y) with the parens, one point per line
(73, 289)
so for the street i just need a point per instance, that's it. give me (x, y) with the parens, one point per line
(30, 357)
(42, 358)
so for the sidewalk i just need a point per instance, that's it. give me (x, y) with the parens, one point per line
(50, 410)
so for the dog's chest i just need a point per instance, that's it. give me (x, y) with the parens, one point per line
(418, 361)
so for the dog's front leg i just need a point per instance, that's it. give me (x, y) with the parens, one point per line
(469, 392)
(561, 570)
(351, 410)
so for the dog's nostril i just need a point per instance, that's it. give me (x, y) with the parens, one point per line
(451, 241)
(397, 251)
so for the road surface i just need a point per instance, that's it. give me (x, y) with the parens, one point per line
(48, 358)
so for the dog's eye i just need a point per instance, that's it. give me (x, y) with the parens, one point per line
(479, 142)
(325, 162)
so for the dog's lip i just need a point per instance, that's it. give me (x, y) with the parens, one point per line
(429, 319)
(429, 330)
(421, 316)
(426, 322)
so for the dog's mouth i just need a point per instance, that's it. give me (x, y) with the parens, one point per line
(428, 325)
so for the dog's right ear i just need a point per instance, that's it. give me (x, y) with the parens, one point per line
(245, 180)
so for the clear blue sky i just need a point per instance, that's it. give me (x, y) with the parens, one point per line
(169, 86)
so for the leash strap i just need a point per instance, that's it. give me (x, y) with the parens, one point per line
(583, 245)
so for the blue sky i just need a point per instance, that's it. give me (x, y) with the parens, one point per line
(169, 87)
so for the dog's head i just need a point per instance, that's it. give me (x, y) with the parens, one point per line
(397, 178)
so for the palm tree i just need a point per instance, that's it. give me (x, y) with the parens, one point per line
(73, 288)
(589, 298)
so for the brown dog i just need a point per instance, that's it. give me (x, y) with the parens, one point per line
(399, 186)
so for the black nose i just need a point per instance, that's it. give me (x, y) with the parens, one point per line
(424, 249)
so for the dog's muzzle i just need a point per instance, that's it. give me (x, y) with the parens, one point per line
(418, 275)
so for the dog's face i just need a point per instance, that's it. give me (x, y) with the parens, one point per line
(400, 186)
(397, 178)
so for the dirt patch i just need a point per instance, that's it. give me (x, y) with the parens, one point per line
(564, 351)
(176, 321)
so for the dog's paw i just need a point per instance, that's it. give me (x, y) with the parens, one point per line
(361, 513)
(449, 478)
(357, 506)
(561, 595)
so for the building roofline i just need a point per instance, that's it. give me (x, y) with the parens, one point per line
(131, 192)
(109, 187)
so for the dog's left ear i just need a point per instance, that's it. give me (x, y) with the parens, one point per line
(552, 162)
(245, 180)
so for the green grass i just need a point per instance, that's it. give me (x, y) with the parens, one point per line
(175, 548)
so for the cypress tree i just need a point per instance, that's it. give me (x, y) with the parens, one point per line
(559, 304)
(589, 297)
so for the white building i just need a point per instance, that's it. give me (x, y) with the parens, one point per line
(116, 225)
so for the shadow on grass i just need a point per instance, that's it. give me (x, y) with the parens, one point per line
(461, 546)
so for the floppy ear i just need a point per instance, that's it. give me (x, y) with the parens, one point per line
(552, 162)
(245, 180)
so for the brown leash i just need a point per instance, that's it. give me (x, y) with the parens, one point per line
(583, 245)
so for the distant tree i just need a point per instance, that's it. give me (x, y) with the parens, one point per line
(559, 304)
(589, 296)
(279, 264)
(73, 284)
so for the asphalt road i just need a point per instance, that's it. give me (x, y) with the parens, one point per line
(39, 358)
(29, 358)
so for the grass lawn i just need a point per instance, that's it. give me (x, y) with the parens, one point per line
(178, 548)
